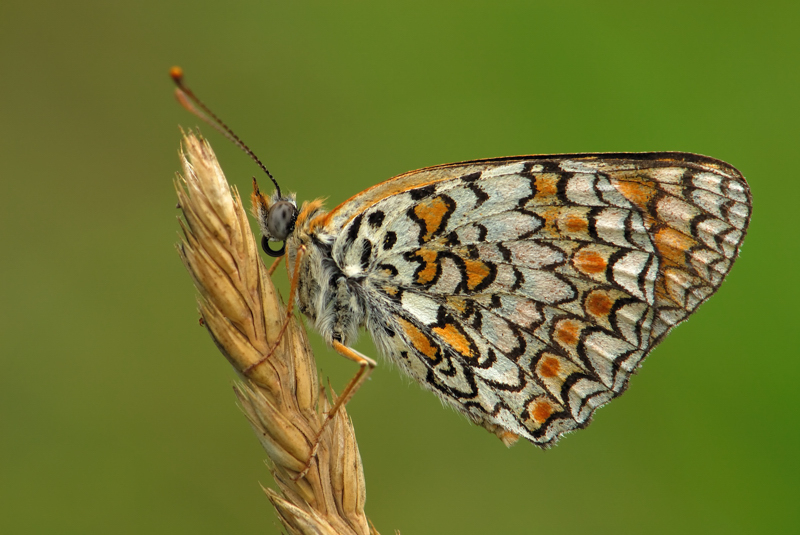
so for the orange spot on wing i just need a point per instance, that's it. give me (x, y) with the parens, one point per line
(549, 367)
(455, 339)
(432, 212)
(428, 272)
(546, 186)
(418, 339)
(588, 261)
(457, 303)
(542, 411)
(390, 290)
(477, 272)
(599, 303)
(575, 223)
(567, 332)
(673, 245)
(550, 216)
(636, 192)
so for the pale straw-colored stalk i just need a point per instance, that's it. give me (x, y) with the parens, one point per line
(242, 310)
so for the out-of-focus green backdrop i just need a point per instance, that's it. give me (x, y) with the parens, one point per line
(116, 412)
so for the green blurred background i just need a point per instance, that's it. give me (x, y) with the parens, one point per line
(116, 410)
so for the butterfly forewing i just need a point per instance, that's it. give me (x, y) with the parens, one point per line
(525, 291)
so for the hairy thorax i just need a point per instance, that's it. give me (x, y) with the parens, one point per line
(325, 294)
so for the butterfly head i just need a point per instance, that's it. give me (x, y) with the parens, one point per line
(276, 216)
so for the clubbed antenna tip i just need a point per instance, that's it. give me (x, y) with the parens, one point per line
(194, 105)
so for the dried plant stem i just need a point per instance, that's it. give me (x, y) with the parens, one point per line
(281, 396)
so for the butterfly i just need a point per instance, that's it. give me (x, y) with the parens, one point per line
(522, 291)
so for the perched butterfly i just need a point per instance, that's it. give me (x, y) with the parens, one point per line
(523, 291)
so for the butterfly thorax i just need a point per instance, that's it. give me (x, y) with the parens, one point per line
(326, 293)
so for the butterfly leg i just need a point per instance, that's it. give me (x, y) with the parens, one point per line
(289, 311)
(366, 365)
(274, 266)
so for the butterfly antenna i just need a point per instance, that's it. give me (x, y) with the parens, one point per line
(195, 106)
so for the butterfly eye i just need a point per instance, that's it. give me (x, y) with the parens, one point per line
(280, 223)
(280, 220)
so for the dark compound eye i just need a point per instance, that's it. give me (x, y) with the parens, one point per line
(280, 223)
(280, 219)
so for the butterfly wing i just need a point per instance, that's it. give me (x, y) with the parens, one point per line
(525, 291)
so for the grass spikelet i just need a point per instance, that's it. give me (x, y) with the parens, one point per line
(281, 397)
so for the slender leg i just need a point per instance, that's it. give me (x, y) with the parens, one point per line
(289, 310)
(366, 365)
(274, 266)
